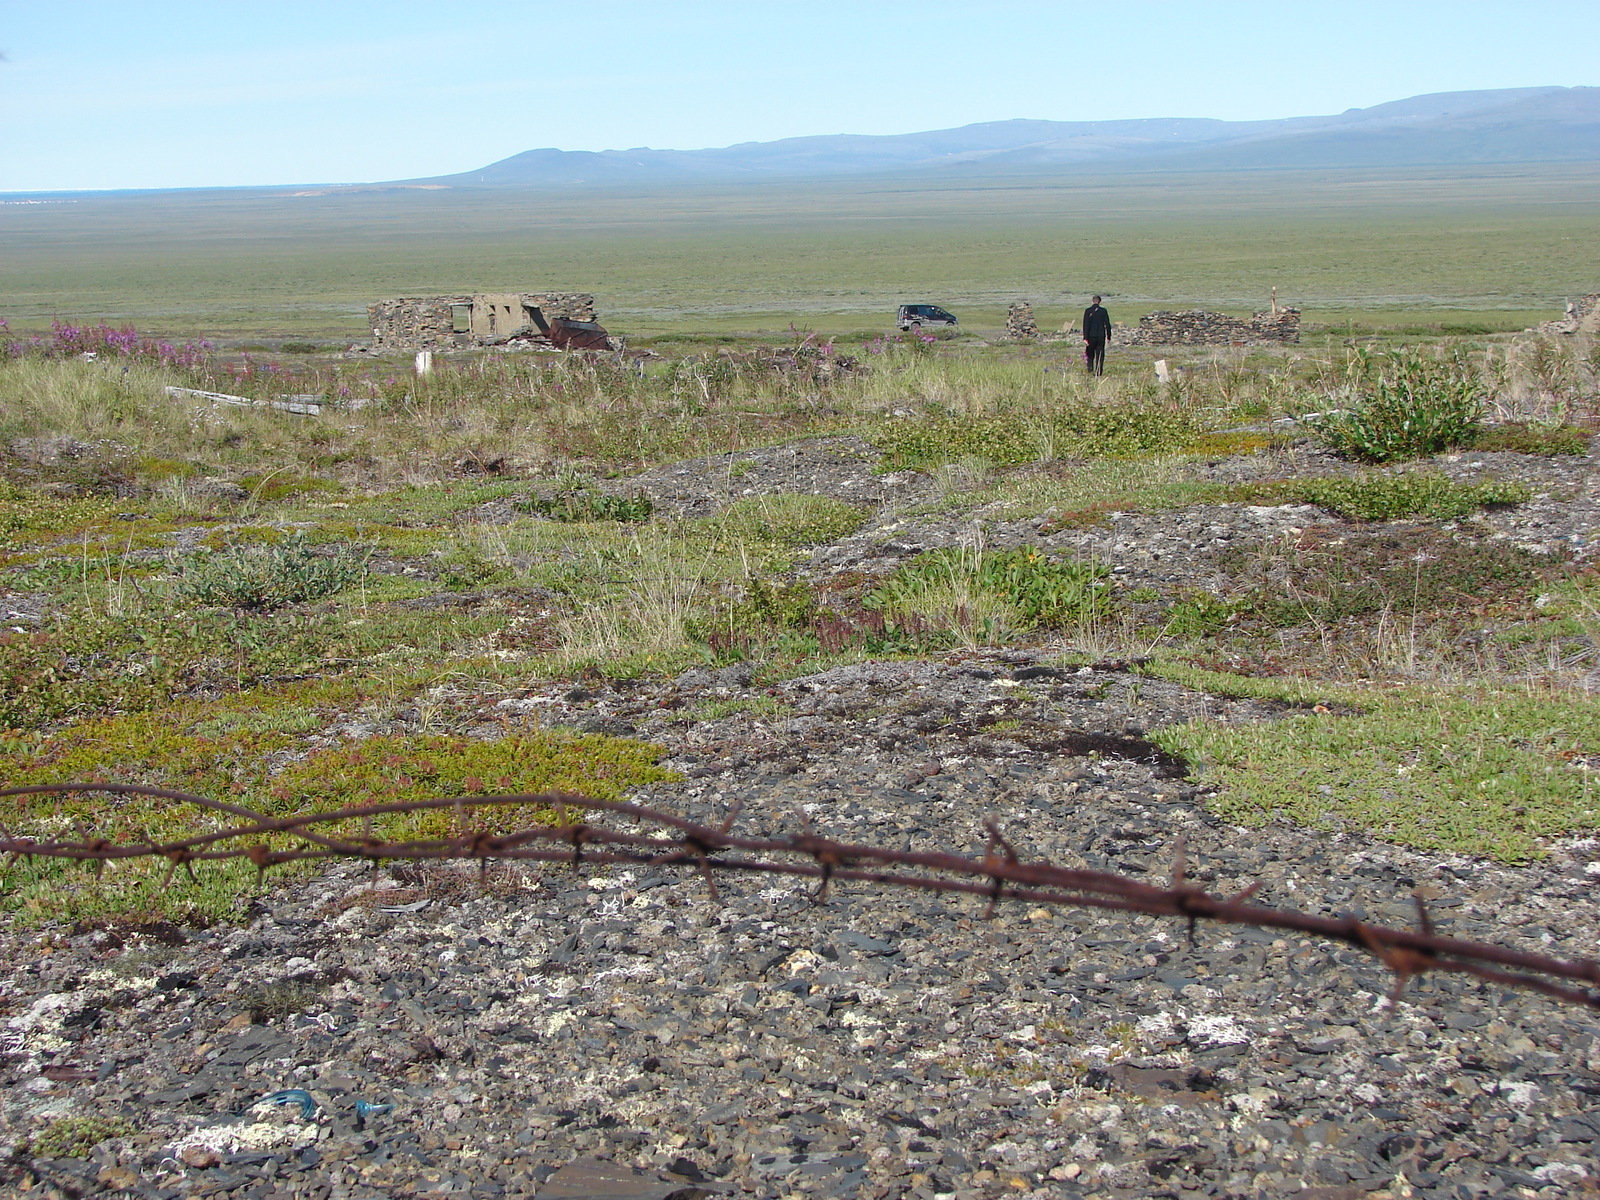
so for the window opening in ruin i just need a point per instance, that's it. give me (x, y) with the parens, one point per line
(461, 318)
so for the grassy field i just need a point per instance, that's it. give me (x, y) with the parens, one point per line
(1500, 248)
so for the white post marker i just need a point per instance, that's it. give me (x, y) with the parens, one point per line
(424, 362)
(1162, 374)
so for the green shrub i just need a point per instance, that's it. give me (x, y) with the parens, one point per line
(1415, 406)
(468, 567)
(1413, 494)
(582, 503)
(1533, 438)
(925, 442)
(765, 611)
(263, 578)
(1200, 614)
(79, 660)
(1037, 590)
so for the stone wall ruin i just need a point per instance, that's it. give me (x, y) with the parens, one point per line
(1196, 327)
(467, 322)
(1582, 317)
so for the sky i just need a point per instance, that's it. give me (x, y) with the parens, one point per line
(183, 93)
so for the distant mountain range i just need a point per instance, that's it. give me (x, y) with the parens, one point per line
(1510, 125)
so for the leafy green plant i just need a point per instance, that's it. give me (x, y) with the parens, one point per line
(1331, 577)
(1383, 497)
(1414, 406)
(266, 577)
(27, 516)
(1200, 614)
(763, 611)
(234, 748)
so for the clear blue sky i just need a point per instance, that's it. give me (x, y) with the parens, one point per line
(178, 93)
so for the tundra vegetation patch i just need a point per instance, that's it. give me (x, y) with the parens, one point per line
(959, 584)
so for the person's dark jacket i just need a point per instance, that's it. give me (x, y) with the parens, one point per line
(1096, 322)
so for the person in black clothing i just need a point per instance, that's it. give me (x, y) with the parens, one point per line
(1096, 329)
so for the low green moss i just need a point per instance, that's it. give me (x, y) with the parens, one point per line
(1532, 438)
(29, 517)
(281, 485)
(75, 1137)
(1385, 497)
(1484, 773)
(250, 750)
(1081, 430)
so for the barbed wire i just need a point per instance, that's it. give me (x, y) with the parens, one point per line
(662, 839)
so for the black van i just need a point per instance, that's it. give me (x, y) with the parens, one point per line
(915, 316)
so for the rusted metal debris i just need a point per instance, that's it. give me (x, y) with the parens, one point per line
(655, 838)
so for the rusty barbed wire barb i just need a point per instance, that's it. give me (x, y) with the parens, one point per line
(559, 836)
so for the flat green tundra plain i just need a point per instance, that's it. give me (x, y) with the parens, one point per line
(197, 592)
(1377, 247)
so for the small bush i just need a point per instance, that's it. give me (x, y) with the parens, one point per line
(1417, 406)
(582, 503)
(765, 611)
(263, 578)
(1531, 438)
(789, 520)
(1037, 590)
(1200, 615)
(468, 567)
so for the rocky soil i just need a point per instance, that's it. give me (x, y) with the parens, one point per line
(619, 1032)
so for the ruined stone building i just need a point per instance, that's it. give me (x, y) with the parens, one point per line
(1196, 327)
(486, 319)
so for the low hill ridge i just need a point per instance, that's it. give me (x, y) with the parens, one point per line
(1537, 124)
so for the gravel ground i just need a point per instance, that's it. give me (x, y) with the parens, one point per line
(881, 1044)
(620, 1033)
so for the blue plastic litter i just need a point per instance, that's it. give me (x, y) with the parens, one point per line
(365, 1110)
(308, 1106)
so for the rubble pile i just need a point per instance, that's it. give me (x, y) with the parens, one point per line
(1020, 323)
(1580, 317)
